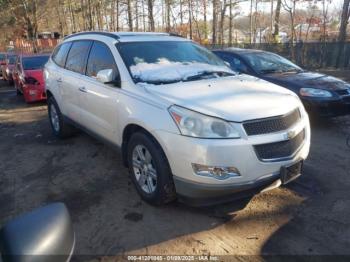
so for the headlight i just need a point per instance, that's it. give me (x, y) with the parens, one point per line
(313, 92)
(7, 70)
(195, 124)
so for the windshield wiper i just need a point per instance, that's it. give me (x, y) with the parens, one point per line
(270, 71)
(157, 82)
(292, 70)
(208, 73)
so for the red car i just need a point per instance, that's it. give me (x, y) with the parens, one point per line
(8, 66)
(28, 77)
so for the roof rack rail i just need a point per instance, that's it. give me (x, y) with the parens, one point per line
(176, 34)
(92, 33)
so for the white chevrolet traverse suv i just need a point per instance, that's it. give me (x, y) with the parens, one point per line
(187, 126)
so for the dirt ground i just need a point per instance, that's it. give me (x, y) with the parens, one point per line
(310, 216)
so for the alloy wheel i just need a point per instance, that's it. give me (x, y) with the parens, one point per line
(144, 170)
(54, 118)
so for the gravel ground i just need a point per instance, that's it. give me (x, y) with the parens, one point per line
(310, 216)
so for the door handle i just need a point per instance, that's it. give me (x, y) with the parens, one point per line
(83, 89)
(59, 80)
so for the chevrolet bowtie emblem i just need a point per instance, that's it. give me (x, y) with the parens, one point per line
(290, 134)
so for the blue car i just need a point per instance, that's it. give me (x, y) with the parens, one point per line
(322, 95)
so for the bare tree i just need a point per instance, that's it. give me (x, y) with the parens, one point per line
(205, 19)
(190, 16)
(214, 25)
(129, 9)
(277, 21)
(342, 31)
(150, 4)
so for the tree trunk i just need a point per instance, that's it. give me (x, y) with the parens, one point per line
(112, 25)
(129, 15)
(277, 21)
(215, 9)
(342, 31)
(136, 15)
(205, 19)
(143, 16)
(181, 14)
(150, 15)
(251, 22)
(190, 16)
(167, 11)
(90, 15)
(230, 26)
(222, 20)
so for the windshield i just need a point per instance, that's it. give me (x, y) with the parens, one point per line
(267, 63)
(2, 57)
(12, 59)
(170, 61)
(33, 63)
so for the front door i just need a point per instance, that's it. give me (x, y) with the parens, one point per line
(99, 101)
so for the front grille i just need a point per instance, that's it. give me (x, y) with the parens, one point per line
(346, 99)
(272, 124)
(343, 92)
(280, 150)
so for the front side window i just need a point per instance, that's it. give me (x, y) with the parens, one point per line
(100, 58)
(34, 63)
(267, 63)
(60, 54)
(76, 60)
(170, 61)
(2, 57)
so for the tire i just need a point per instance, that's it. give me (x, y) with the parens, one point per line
(59, 127)
(163, 186)
(18, 92)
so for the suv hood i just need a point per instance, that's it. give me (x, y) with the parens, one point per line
(238, 98)
(308, 79)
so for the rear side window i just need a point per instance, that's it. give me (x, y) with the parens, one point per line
(34, 63)
(76, 60)
(100, 58)
(60, 54)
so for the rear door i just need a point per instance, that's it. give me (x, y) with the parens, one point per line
(72, 79)
(99, 101)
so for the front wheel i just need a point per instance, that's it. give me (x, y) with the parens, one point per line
(59, 127)
(150, 170)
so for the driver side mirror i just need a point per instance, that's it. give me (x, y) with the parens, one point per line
(108, 76)
(46, 234)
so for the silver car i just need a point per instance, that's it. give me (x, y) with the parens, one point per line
(187, 126)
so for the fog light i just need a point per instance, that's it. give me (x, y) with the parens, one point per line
(220, 173)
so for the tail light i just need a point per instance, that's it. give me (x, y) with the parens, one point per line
(31, 80)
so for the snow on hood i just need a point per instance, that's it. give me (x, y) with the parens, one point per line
(166, 71)
(235, 98)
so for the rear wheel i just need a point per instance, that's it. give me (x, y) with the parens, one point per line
(18, 92)
(150, 170)
(59, 127)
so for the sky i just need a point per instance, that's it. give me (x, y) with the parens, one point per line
(334, 5)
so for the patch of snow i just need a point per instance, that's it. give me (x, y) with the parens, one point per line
(166, 71)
